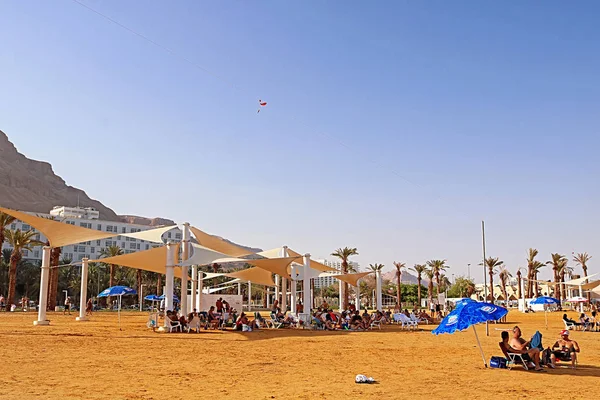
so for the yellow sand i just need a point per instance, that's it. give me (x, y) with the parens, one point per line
(94, 360)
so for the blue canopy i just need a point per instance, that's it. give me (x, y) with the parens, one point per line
(117, 291)
(152, 297)
(175, 298)
(544, 300)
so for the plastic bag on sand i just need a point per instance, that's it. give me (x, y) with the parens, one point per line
(363, 379)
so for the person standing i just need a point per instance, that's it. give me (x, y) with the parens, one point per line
(89, 307)
(67, 306)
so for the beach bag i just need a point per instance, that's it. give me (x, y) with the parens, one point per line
(498, 362)
(546, 360)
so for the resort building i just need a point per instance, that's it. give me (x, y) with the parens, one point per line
(326, 281)
(88, 218)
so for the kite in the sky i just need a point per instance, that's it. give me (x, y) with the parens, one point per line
(261, 104)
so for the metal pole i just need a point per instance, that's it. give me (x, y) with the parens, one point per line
(487, 327)
(479, 344)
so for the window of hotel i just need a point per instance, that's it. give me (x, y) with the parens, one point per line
(109, 228)
(124, 230)
(99, 227)
(80, 249)
(98, 242)
(92, 250)
(25, 227)
(132, 246)
(36, 254)
(138, 246)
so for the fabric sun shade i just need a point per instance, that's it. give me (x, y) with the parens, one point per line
(279, 266)
(218, 244)
(153, 260)
(255, 275)
(313, 264)
(351, 279)
(151, 235)
(202, 256)
(273, 253)
(579, 281)
(58, 233)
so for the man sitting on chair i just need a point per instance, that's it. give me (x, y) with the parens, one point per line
(519, 345)
(565, 349)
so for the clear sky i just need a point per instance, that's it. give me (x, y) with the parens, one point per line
(394, 127)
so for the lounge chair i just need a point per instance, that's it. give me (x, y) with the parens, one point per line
(273, 322)
(173, 325)
(512, 358)
(407, 322)
(569, 325)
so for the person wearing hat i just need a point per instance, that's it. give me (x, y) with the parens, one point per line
(565, 349)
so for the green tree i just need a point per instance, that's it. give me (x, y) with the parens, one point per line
(492, 263)
(531, 270)
(344, 255)
(582, 259)
(462, 287)
(429, 274)
(111, 251)
(5, 220)
(504, 275)
(557, 262)
(399, 267)
(437, 267)
(419, 269)
(19, 241)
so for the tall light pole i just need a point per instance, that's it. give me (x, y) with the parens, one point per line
(487, 328)
(469, 270)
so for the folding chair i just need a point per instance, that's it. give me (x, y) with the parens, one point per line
(174, 325)
(512, 358)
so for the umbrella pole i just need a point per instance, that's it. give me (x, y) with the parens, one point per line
(546, 315)
(119, 311)
(479, 344)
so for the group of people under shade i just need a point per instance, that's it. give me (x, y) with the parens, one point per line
(533, 352)
(584, 322)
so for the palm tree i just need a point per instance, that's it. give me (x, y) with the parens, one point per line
(429, 274)
(399, 266)
(492, 263)
(437, 267)
(111, 251)
(536, 266)
(531, 254)
(444, 283)
(344, 254)
(419, 269)
(582, 259)
(503, 275)
(53, 276)
(562, 271)
(19, 241)
(5, 220)
(558, 262)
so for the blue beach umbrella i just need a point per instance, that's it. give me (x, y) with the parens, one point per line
(545, 300)
(175, 298)
(468, 315)
(152, 297)
(119, 291)
(463, 301)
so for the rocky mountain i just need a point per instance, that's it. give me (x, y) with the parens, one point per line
(407, 277)
(31, 185)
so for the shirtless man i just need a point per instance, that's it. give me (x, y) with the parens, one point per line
(565, 349)
(519, 345)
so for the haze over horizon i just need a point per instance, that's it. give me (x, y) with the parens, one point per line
(397, 138)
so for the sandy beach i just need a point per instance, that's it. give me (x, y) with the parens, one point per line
(94, 360)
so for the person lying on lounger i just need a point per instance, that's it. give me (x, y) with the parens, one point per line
(565, 349)
(519, 345)
(243, 320)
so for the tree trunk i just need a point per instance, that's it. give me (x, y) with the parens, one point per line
(111, 278)
(419, 289)
(399, 289)
(491, 273)
(519, 284)
(12, 279)
(53, 278)
(589, 294)
(437, 283)
(430, 291)
(345, 286)
(159, 285)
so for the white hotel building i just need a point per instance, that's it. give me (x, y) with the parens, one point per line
(88, 218)
(326, 281)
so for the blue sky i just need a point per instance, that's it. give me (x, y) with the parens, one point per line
(394, 127)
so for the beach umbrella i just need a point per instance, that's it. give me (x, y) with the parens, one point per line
(463, 301)
(152, 297)
(576, 299)
(175, 298)
(118, 291)
(468, 315)
(545, 300)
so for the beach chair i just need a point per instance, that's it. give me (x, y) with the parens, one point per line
(194, 324)
(569, 325)
(173, 325)
(273, 322)
(398, 320)
(407, 323)
(512, 358)
(415, 320)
